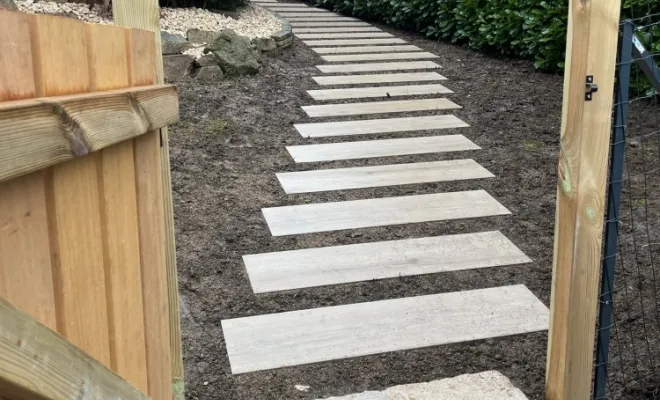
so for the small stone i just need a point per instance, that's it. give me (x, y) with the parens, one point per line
(634, 143)
(210, 73)
(202, 366)
(174, 44)
(199, 36)
(207, 60)
(235, 54)
(206, 383)
(8, 5)
(302, 388)
(177, 67)
(265, 44)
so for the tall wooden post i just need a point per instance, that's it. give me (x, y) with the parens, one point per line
(145, 15)
(584, 147)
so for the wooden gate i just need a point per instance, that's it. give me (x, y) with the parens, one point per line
(83, 247)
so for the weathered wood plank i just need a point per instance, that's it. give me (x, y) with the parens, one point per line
(339, 29)
(380, 148)
(373, 67)
(17, 77)
(38, 133)
(378, 78)
(381, 175)
(340, 35)
(296, 269)
(379, 107)
(352, 42)
(326, 217)
(377, 91)
(384, 125)
(36, 362)
(331, 333)
(365, 49)
(376, 57)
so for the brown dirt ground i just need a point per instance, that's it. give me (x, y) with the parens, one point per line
(225, 153)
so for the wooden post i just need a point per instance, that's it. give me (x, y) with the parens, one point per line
(144, 14)
(584, 146)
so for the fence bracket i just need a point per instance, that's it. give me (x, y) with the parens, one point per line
(591, 88)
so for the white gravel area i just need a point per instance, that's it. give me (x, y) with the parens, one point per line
(253, 21)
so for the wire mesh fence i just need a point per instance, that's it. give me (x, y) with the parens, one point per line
(628, 334)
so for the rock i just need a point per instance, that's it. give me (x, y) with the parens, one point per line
(177, 66)
(8, 5)
(199, 36)
(174, 44)
(207, 60)
(210, 73)
(265, 44)
(235, 54)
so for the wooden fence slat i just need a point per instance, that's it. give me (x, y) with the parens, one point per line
(141, 57)
(17, 78)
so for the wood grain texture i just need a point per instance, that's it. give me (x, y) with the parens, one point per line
(17, 77)
(331, 333)
(352, 42)
(373, 67)
(342, 35)
(365, 49)
(296, 269)
(24, 248)
(378, 78)
(338, 29)
(36, 362)
(380, 175)
(383, 125)
(379, 148)
(376, 56)
(584, 144)
(326, 217)
(377, 91)
(38, 133)
(379, 107)
(303, 24)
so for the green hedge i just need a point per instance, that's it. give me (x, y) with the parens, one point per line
(228, 5)
(525, 28)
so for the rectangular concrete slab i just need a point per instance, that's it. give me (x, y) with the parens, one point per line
(378, 78)
(383, 125)
(379, 56)
(365, 49)
(320, 19)
(338, 29)
(380, 148)
(381, 175)
(343, 35)
(303, 24)
(379, 107)
(287, 270)
(330, 333)
(308, 14)
(374, 67)
(326, 217)
(352, 42)
(377, 91)
(290, 5)
(296, 9)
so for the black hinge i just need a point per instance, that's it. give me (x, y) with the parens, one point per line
(591, 88)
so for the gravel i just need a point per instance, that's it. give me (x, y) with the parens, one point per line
(253, 21)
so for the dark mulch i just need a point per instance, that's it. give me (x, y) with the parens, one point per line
(225, 153)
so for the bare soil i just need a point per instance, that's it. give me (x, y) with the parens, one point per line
(225, 153)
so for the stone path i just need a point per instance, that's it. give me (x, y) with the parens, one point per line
(329, 333)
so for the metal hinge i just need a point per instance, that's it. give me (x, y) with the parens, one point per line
(591, 87)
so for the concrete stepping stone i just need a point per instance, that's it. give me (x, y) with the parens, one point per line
(320, 19)
(376, 56)
(322, 13)
(383, 125)
(351, 42)
(365, 49)
(296, 269)
(378, 78)
(289, 5)
(296, 9)
(379, 148)
(379, 107)
(341, 35)
(333, 333)
(296, 24)
(377, 91)
(381, 175)
(327, 217)
(338, 29)
(373, 67)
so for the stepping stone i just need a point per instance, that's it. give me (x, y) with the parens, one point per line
(384, 125)
(333, 333)
(291, 5)
(339, 29)
(297, 9)
(379, 107)
(375, 57)
(295, 24)
(308, 14)
(380, 148)
(381, 175)
(343, 35)
(373, 67)
(320, 19)
(287, 270)
(378, 91)
(379, 78)
(365, 49)
(327, 217)
(349, 42)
